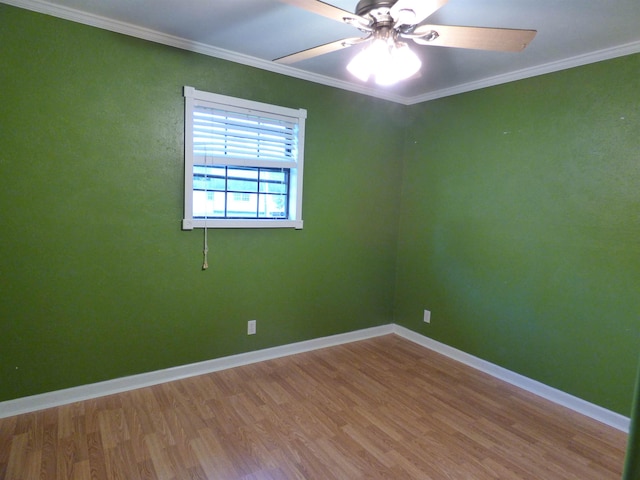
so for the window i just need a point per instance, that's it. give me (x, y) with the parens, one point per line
(243, 163)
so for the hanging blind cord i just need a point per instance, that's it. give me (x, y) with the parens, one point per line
(205, 252)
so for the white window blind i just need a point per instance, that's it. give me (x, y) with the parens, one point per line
(232, 137)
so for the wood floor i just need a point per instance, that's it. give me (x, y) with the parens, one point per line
(383, 408)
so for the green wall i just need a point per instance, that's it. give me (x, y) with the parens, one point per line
(632, 458)
(517, 208)
(99, 281)
(520, 220)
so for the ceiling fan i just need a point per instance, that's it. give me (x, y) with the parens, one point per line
(389, 25)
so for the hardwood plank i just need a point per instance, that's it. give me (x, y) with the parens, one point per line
(383, 408)
(97, 457)
(17, 464)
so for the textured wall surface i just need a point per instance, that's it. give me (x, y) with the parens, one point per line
(520, 220)
(99, 281)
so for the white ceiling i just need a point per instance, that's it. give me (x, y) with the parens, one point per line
(254, 32)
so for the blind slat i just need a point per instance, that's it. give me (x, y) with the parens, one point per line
(220, 133)
(219, 128)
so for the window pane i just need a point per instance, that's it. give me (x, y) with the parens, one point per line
(273, 181)
(208, 178)
(207, 183)
(279, 175)
(208, 204)
(241, 208)
(271, 187)
(240, 192)
(208, 170)
(272, 206)
(242, 185)
(242, 179)
(238, 172)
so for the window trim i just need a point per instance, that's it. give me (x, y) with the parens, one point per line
(194, 98)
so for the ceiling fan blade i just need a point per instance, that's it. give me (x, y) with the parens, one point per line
(320, 50)
(329, 11)
(412, 12)
(480, 38)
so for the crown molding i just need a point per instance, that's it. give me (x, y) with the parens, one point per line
(564, 64)
(129, 29)
(155, 36)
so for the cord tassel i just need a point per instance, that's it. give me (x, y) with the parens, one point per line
(205, 262)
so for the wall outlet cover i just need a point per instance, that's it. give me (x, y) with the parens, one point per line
(251, 327)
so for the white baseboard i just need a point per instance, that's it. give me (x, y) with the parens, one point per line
(576, 404)
(85, 392)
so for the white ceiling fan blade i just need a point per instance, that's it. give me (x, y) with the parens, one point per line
(329, 11)
(412, 12)
(479, 38)
(320, 50)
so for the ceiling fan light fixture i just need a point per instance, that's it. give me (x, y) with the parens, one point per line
(404, 64)
(388, 62)
(366, 63)
(358, 67)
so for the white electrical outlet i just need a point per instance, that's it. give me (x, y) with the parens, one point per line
(427, 316)
(251, 327)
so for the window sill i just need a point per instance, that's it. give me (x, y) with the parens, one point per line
(190, 224)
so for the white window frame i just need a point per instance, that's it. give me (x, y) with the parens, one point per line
(195, 98)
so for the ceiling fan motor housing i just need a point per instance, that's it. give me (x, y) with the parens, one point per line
(376, 9)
